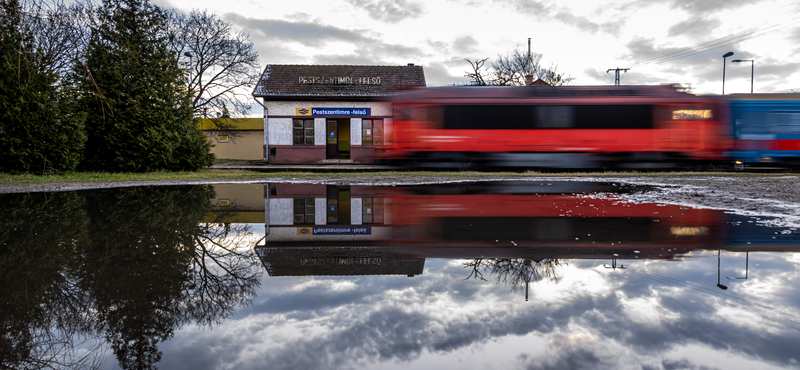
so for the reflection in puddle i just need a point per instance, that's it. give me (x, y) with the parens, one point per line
(530, 274)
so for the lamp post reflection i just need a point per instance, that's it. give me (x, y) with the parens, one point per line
(614, 265)
(746, 268)
(719, 251)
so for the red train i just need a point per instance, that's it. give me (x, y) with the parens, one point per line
(546, 220)
(562, 127)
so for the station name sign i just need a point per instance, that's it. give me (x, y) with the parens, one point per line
(334, 230)
(333, 111)
(322, 80)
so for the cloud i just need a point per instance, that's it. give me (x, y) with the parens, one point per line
(391, 11)
(542, 12)
(704, 6)
(437, 74)
(400, 320)
(538, 8)
(374, 53)
(465, 44)
(271, 34)
(582, 23)
(306, 33)
(694, 26)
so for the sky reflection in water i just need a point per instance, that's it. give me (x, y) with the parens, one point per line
(660, 308)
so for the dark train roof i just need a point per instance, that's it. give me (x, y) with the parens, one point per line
(535, 92)
(784, 96)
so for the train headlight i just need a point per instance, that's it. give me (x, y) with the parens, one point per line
(738, 162)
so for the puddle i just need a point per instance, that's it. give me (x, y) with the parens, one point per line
(490, 274)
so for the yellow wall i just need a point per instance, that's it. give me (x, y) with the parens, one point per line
(237, 123)
(247, 145)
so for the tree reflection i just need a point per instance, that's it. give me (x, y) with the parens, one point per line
(517, 272)
(122, 267)
(225, 270)
(41, 310)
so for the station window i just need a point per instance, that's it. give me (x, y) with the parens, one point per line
(371, 131)
(303, 131)
(304, 211)
(372, 210)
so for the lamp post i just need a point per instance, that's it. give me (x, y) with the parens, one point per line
(188, 54)
(723, 70)
(752, 67)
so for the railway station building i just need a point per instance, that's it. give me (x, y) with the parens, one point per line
(328, 113)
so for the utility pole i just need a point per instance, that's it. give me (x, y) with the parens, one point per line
(528, 67)
(529, 56)
(616, 70)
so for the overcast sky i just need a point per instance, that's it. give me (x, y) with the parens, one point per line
(583, 38)
(653, 315)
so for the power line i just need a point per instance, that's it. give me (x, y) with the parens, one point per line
(746, 34)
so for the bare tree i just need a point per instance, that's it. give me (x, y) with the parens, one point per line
(553, 77)
(516, 272)
(511, 68)
(476, 76)
(59, 31)
(224, 67)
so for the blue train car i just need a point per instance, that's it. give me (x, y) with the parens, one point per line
(766, 130)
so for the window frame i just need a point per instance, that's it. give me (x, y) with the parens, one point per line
(304, 132)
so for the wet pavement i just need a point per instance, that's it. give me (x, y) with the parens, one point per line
(533, 274)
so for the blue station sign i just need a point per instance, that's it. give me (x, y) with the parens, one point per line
(334, 230)
(333, 111)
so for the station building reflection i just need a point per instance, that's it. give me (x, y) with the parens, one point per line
(315, 229)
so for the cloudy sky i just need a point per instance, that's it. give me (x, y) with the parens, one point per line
(661, 41)
(653, 315)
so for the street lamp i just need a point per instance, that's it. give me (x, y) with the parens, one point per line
(723, 70)
(752, 66)
(188, 54)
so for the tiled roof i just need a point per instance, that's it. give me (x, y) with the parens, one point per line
(336, 80)
(539, 82)
(322, 260)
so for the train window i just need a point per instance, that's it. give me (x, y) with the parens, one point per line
(752, 123)
(691, 114)
(496, 117)
(783, 122)
(499, 117)
(613, 117)
(555, 116)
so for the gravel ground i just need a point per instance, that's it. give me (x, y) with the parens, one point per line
(773, 195)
